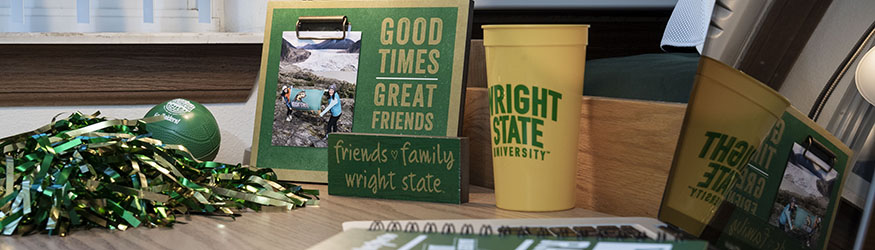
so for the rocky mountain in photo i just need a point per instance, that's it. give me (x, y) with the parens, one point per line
(355, 48)
(290, 54)
(344, 44)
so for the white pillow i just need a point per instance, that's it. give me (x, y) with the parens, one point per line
(688, 24)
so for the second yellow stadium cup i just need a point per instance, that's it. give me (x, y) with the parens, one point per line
(728, 116)
(535, 79)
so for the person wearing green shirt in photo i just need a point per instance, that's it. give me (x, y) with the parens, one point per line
(335, 107)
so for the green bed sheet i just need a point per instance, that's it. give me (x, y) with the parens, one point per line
(666, 77)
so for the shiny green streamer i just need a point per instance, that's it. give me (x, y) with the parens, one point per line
(87, 171)
(68, 145)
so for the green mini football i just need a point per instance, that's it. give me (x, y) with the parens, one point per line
(186, 123)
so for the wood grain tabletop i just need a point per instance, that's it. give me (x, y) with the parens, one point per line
(296, 229)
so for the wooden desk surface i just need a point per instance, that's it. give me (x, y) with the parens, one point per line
(297, 229)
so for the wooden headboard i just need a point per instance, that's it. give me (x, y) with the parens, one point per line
(624, 152)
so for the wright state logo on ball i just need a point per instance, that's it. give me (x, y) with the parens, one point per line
(178, 106)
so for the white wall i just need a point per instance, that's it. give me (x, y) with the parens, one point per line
(236, 121)
(111, 16)
(227, 15)
(843, 24)
(245, 15)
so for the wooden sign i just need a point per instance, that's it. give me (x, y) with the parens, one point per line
(383, 66)
(419, 168)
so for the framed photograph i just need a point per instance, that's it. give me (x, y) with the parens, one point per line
(315, 89)
(382, 67)
(805, 192)
(790, 189)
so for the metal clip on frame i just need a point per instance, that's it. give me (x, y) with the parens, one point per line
(818, 149)
(322, 23)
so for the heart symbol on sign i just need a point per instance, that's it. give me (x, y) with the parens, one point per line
(394, 154)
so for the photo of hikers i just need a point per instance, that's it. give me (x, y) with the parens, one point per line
(804, 194)
(315, 89)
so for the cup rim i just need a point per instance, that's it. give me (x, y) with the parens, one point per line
(754, 90)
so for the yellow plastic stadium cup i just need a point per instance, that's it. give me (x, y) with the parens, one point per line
(535, 78)
(728, 116)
